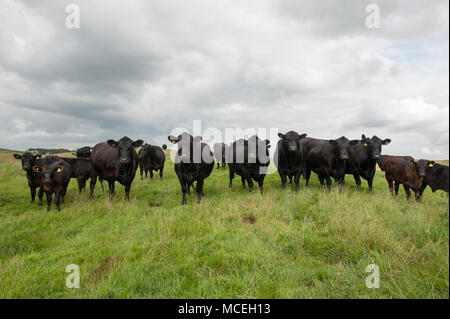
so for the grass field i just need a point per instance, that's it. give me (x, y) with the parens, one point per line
(281, 244)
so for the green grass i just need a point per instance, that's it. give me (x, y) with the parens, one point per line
(281, 244)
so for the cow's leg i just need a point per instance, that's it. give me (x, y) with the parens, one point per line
(421, 190)
(231, 178)
(151, 173)
(243, 181)
(261, 184)
(370, 183)
(40, 195)
(297, 181)
(223, 164)
(112, 190)
(283, 179)
(321, 180)
(250, 183)
(184, 190)
(407, 191)
(218, 165)
(80, 183)
(161, 172)
(57, 201)
(199, 189)
(396, 186)
(33, 193)
(92, 186)
(127, 191)
(357, 181)
(306, 176)
(290, 179)
(417, 195)
(328, 179)
(49, 200)
(340, 182)
(141, 171)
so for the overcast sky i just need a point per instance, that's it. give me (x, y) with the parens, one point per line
(142, 68)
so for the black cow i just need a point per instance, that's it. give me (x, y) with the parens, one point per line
(151, 158)
(220, 152)
(84, 152)
(34, 178)
(436, 176)
(249, 159)
(288, 157)
(55, 176)
(81, 170)
(115, 161)
(326, 158)
(193, 162)
(363, 158)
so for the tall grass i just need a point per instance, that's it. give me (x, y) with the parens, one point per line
(281, 244)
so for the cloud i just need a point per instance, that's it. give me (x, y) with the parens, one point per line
(143, 68)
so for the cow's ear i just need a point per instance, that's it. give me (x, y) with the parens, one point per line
(363, 137)
(36, 157)
(353, 142)
(431, 163)
(412, 163)
(36, 169)
(17, 156)
(112, 143)
(386, 141)
(137, 143)
(302, 136)
(280, 135)
(333, 142)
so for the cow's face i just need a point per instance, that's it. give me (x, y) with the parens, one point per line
(125, 147)
(341, 146)
(49, 171)
(423, 166)
(28, 160)
(373, 145)
(291, 141)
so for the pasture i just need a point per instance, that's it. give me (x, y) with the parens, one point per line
(281, 244)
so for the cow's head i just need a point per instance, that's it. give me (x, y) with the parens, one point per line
(423, 166)
(125, 146)
(185, 143)
(373, 145)
(341, 146)
(50, 170)
(291, 141)
(28, 160)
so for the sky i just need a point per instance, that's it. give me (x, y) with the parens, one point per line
(143, 68)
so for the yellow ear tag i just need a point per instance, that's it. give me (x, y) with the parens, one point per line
(59, 169)
(365, 144)
(430, 165)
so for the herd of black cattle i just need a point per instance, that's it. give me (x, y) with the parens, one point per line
(295, 155)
